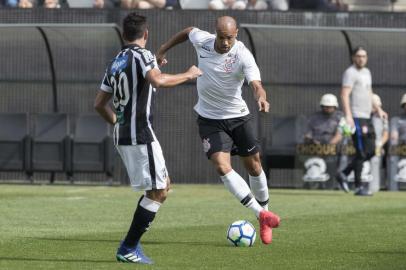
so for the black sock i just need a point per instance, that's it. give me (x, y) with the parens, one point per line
(141, 221)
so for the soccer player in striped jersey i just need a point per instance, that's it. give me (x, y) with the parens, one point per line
(225, 123)
(130, 81)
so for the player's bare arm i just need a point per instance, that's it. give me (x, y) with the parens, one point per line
(260, 96)
(345, 98)
(176, 39)
(101, 105)
(337, 138)
(163, 80)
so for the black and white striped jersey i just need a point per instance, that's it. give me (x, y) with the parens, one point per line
(133, 95)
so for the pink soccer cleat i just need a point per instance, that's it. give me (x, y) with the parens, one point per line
(267, 221)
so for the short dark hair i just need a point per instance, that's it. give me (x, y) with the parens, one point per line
(134, 26)
(357, 49)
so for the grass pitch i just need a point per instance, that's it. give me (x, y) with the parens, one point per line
(69, 227)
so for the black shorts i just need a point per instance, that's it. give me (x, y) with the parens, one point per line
(364, 138)
(235, 135)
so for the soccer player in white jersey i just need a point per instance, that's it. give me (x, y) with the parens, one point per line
(356, 96)
(225, 123)
(130, 80)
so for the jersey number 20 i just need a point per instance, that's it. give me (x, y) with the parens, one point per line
(121, 90)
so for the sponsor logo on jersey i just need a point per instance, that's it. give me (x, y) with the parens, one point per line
(206, 48)
(119, 64)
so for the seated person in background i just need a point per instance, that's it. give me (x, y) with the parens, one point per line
(281, 5)
(129, 4)
(323, 5)
(322, 127)
(398, 137)
(106, 3)
(9, 3)
(380, 126)
(26, 4)
(381, 131)
(238, 4)
(148, 4)
(53, 3)
(398, 127)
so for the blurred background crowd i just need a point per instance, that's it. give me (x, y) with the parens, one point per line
(280, 5)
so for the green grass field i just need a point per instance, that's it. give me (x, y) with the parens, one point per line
(77, 227)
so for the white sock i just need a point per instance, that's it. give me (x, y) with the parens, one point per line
(150, 205)
(259, 187)
(239, 188)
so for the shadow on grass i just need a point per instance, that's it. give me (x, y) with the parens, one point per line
(73, 239)
(390, 252)
(320, 193)
(56, 260)
(147, 242)
(191, 243)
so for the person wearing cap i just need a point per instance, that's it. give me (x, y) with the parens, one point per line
(398, 125)
(397, 161)
(356, 97)
(382, 135)
(322, 126)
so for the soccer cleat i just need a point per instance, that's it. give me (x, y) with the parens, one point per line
(132, 255)
(362, 192)
(267, 221)
(342, 181)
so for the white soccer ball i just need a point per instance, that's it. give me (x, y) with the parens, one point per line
(241, 233)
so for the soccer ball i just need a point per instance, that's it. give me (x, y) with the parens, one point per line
(241, 233)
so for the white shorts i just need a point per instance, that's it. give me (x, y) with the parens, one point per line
(145, 165)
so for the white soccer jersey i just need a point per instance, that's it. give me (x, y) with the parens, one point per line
(219, 88)
(360, 80)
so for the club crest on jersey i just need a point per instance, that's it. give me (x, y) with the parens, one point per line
(228, 64)
(206, 145)
(119, 64)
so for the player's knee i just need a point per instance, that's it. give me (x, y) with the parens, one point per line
(223, 169)
(255, 168)
(158, 195)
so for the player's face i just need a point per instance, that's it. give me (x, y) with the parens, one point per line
(225, 39)
(360, 58)
(328, 109)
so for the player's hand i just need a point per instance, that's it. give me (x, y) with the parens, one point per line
(194, 72)
(382, 114)
(350, 122)
(161, 59)
(263, 105)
